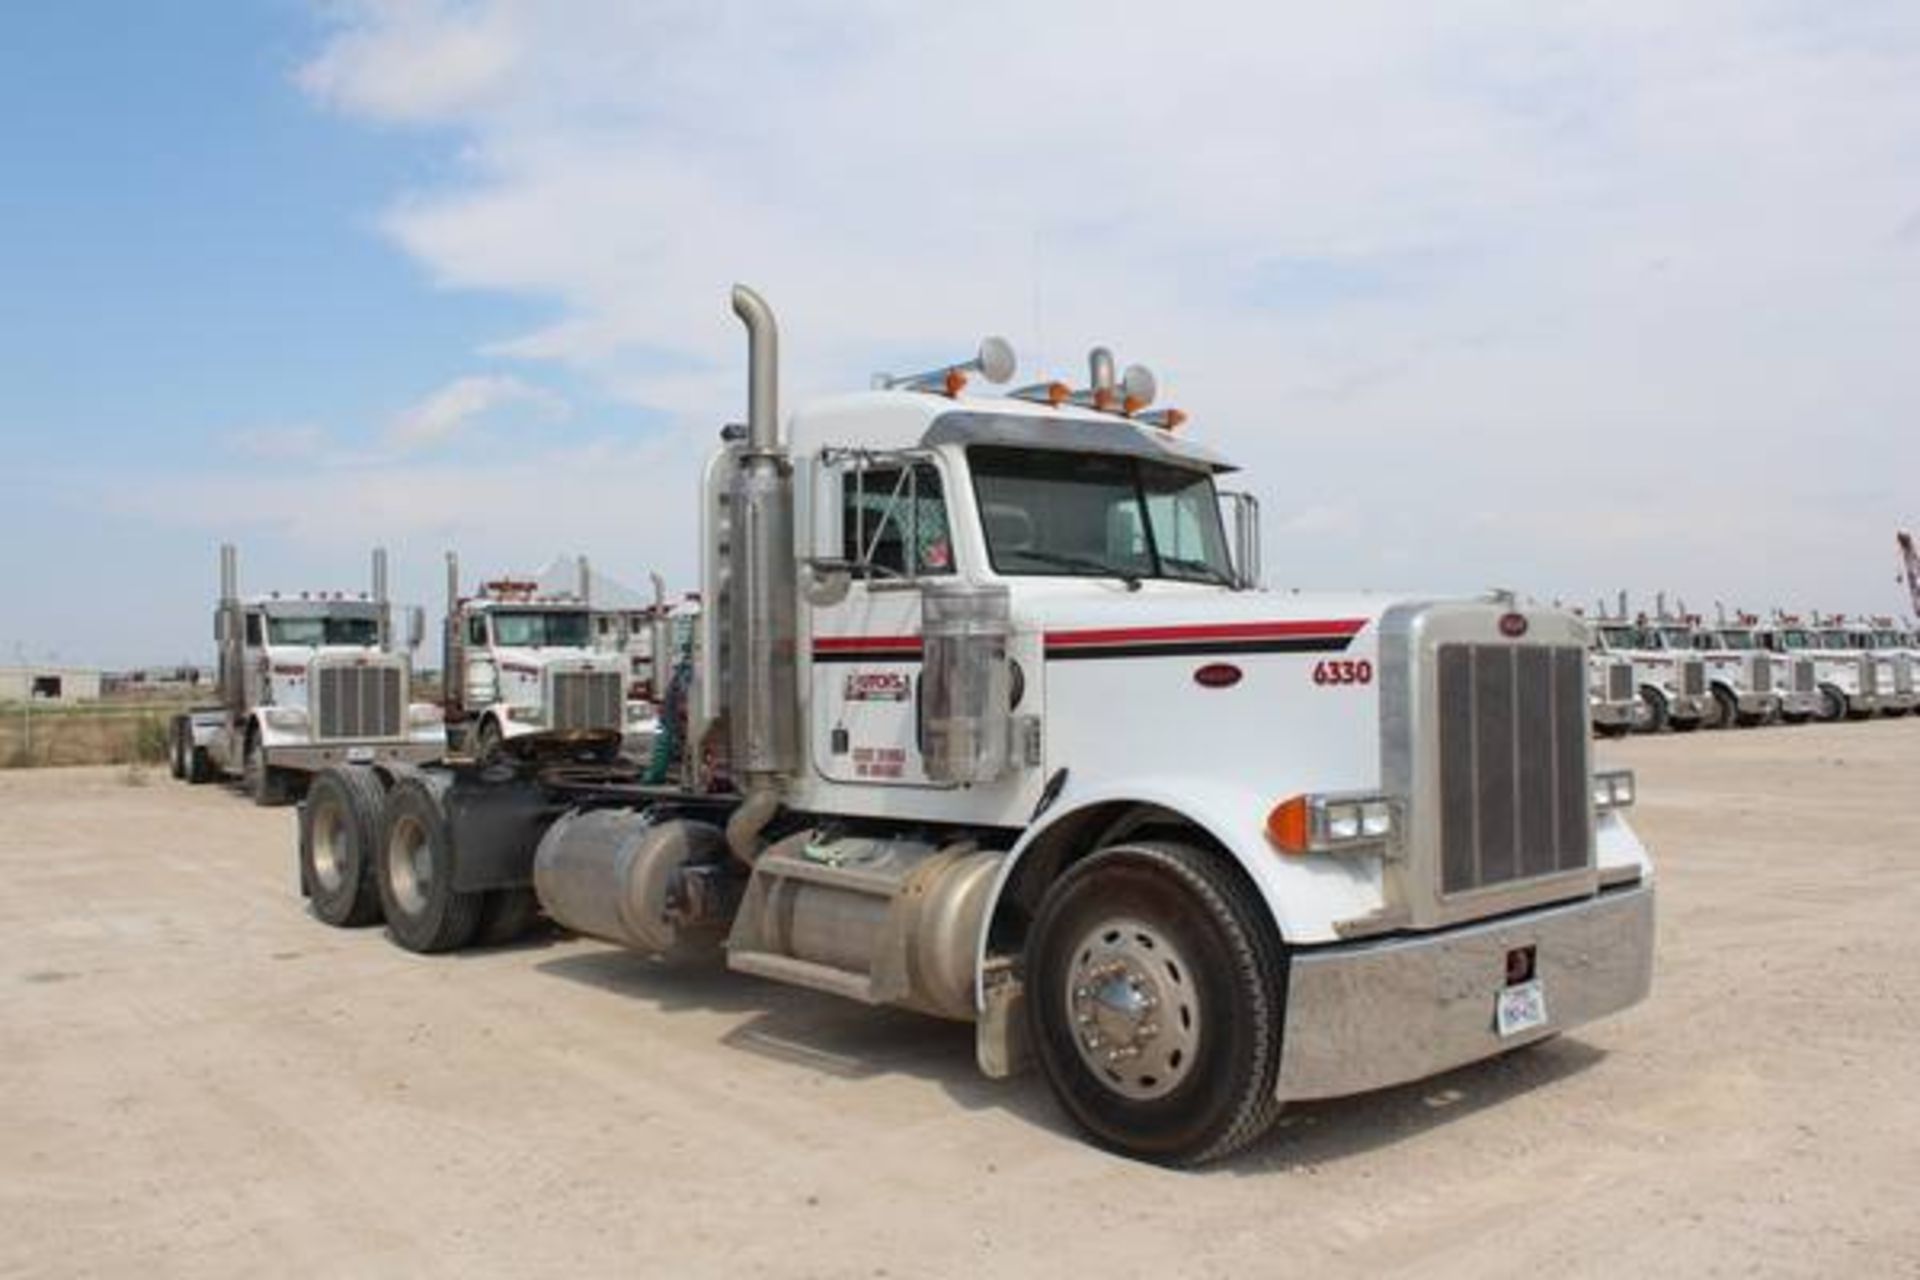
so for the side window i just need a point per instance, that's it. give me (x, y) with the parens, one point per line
(895, 521)
(477, 629)
(253, 630)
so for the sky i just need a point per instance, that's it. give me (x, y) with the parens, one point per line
(1566, 298)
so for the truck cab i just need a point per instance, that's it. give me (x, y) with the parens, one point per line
(1671, 677)
(307, 680)
(523, 661)
(1847, 678)
(1741, 676)
(1899, 667)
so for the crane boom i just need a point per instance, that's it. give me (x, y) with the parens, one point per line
(1910, 568)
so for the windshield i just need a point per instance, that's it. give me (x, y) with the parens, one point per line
(531, 630)
(1677, 637)
(1796, 639)
(1736, 640)
(1835, 640)
(315, 632)
(1620, 637)
(1051, 513)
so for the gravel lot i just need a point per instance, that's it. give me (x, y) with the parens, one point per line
(197, 1079)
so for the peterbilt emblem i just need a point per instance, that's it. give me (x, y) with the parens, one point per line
(1217, 675)
(1513, 625)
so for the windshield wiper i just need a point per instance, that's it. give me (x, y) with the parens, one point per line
(1209, 572)
(1083, 562)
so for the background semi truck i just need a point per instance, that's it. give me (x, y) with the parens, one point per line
(305, 681)
(982, 718)
(520, 660)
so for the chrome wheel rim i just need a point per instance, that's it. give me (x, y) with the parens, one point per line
(409, 865)
(1133, 1009)
(329, 845)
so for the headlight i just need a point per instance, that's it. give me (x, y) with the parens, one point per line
(1613, 789)
(287, 717)
(527, 715)
(1333, 823)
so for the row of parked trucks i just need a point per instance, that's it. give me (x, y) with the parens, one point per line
(982, 711)
(1681, 672)
(317, 678)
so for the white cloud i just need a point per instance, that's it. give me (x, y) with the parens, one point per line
(1591, 272)
(456, 407)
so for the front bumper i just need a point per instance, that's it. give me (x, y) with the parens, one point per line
(1682, 707)
(1610, 714)
(313, 758)
(1368, 1015)
(1800, 704)
(1756, 704)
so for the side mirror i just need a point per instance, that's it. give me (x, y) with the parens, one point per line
(416, 626)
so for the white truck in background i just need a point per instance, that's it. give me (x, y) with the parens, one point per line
(1671, 678)
(519, 661)
(1793, 676)
(986, 719)
(306, 681)
(1893, 668)
(1848, 679)
(1613, 693)
(1741, 677)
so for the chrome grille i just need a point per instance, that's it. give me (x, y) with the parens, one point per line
(1514, 787)
(1803, 676)
(1902, 674)
(1620, 682)
(1869, 675)
(359, 702)
(1693, 677)
(1762, 679)
(587, 700)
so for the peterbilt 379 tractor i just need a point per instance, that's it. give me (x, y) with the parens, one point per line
(306, 680)
(522, 660)
(984, 717)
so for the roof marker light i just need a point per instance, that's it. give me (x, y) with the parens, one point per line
(1165, 419)
(1047, 393)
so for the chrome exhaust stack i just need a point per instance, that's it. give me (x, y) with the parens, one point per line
(586, 582)
(380, 598)
(233, 689)
(763, 708)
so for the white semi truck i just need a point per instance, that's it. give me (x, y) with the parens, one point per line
(306, 681)
(1671, 679)
(985, 720)
(1741, 677)
(1613, 694)
(1792, 678)
(1847, 679)
(520, 661)
(1893, 669)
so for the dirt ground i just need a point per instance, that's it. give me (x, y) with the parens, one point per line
(197, 1079)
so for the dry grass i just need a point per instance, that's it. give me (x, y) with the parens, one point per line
(132, 733)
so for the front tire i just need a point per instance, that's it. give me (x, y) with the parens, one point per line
(1653, 715)
(266, 784)
(1155, 1002)
(487, 740)
(415, 872)
(339, 837)
(1723, 710)
(179, 740)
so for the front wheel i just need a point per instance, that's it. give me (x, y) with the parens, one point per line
(179, 743)
(487, 741)
(1651, 715)
(1723, 710)
(266, 784)
(1833, 704)
(1154, 1000)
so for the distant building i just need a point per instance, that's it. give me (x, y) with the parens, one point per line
(46, 682)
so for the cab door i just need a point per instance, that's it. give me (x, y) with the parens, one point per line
(885, 518)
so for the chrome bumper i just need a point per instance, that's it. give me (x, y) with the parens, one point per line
(1753, 704)
(316, 757)
(1612, 713)
(1369, 1015)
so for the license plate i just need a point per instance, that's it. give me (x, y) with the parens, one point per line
(360, 755)
(1521, 1007)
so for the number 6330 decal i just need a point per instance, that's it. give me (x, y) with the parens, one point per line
(1343, 671)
